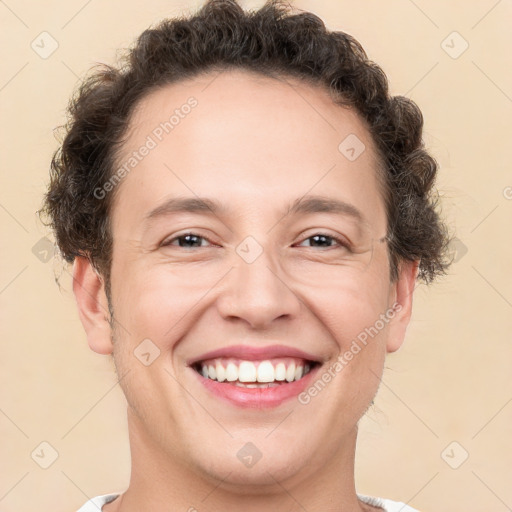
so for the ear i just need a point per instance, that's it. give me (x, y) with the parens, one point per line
(89, 290)
(401, 295)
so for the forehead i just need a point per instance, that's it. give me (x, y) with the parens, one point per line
(241, 97)
(242, 136)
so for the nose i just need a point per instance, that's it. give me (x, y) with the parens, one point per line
(257, 293)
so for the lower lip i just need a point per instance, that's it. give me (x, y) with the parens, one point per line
(257, 398)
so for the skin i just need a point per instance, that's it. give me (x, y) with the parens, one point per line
(255, 144)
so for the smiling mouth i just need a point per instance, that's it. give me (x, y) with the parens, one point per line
(255, 374)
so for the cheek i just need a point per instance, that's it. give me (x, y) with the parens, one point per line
(156, 301)
(348, 307)
(351, 314)
(360, 336)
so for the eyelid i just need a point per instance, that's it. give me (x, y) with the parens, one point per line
(342, 240)
(167, 241)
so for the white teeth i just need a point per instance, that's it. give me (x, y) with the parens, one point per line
(262, 385)
(247, 372)
(231, 372)
(280, 373)
(221, 372)
(290, 372)
(265, 372)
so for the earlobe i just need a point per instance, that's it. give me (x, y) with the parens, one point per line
(402, 295)
(89, 291)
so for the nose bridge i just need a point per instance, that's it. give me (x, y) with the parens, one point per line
(257, 291)
(257, 267)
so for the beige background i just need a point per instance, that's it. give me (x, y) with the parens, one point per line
(451, 381)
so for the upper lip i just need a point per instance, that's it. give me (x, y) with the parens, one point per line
(251, 353)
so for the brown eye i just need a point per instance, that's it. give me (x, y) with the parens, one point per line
(186, 240)
(326, 240)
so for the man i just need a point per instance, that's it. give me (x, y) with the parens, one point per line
(247, 211)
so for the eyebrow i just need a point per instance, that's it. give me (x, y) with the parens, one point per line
(305, 205)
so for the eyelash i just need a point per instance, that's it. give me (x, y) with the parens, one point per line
(338, 240)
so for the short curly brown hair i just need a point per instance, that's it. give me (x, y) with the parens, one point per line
(271, 41)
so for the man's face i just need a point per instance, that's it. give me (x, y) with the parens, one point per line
(250, 275)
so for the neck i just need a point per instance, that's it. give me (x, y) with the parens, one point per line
(162, 482)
